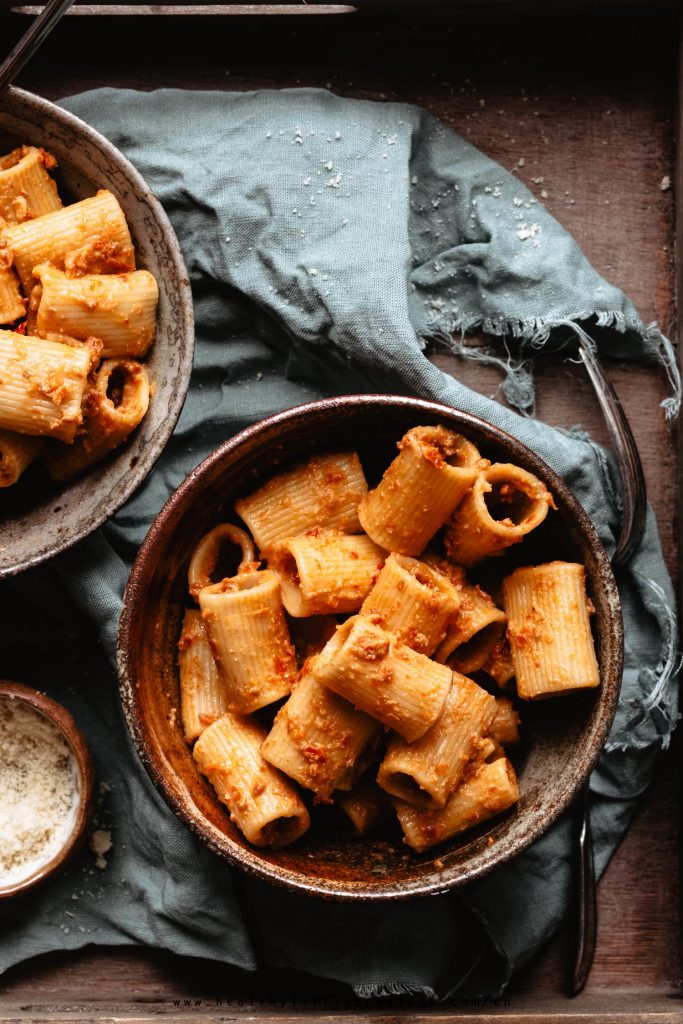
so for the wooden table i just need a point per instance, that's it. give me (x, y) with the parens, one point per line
(584, 106)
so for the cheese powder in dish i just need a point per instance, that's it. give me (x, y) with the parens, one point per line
(39, 789)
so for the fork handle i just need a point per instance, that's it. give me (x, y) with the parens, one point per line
(587, 923)
(634, 507)
(35, 35)
(626, 453)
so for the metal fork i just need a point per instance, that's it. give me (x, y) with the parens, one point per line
(634, 506)
(34, 37)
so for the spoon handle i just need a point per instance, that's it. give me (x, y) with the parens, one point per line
(31, 40)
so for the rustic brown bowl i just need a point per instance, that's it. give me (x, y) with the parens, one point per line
(37, 517)
(63, 720)
(562, 737)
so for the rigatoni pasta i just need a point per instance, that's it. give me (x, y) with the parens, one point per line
(499, 663)
(412, 601)
(26, 189)
(118, 309)
(204, 695)
(505, 503)
(325, 491)
(264, 805)
(427, 771)
(324, 571)
(249, 637)
(549, 629)
(17, 451)
(366, 805)
(84, 237)
(504, 728)
(68, 274)
(383, 712)
(423, 485)
(402, 689)
(318, 738)
(114, 406)
(42, 384)
(205, 556)
(12, 305)
(492, 789)
(475, 629)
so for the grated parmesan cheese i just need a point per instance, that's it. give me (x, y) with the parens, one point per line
(39, 783)
(101, 843)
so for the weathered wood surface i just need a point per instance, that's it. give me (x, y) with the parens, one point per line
(439, 8)
(591, 111)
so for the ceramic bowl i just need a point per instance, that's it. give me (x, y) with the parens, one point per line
(561, 738)
(37, 517)
(66, 725)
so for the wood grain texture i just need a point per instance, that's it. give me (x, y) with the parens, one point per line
(591, 110)
(438, 8)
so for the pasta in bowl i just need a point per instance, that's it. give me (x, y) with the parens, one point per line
(357, 741)
(96, 330)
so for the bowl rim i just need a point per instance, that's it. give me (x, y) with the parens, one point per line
(249, 860)
(64, 721)
(149, 453)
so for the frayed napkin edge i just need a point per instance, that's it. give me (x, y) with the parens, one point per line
(518, 388)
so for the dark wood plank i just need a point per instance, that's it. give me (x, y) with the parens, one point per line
(591, 111)
(604, 1008)
(438, 8)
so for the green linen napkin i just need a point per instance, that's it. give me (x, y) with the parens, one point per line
(326, 240)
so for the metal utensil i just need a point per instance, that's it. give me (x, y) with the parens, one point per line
(634, 506)
(626, 453)
(32, 40)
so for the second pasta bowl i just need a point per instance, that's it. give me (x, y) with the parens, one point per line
(77, 320)
(392, 670)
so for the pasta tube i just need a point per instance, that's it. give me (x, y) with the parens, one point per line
(549, 629)
(489, 791)
(367, 667)
(113, 408)
(366, 805)
(325, 491)
(490, 750)
(503, 506)
(249, 638)
(119, 309)
(206, 554)
(17, 451)
(324, 572)
(504, 728)
(12, 305)
(41, 385)
(413, 601)
(26, 189)
(203, 694)
(427, 771)
(88, 237)
(317, 737)
(499, 665)
(419, 491)
(474, 631)
(263, 804)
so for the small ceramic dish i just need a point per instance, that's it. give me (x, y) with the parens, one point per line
(562, 738)
(39, 518)
(84, 785)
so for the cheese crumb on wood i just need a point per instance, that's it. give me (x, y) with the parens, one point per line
(40, 789)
